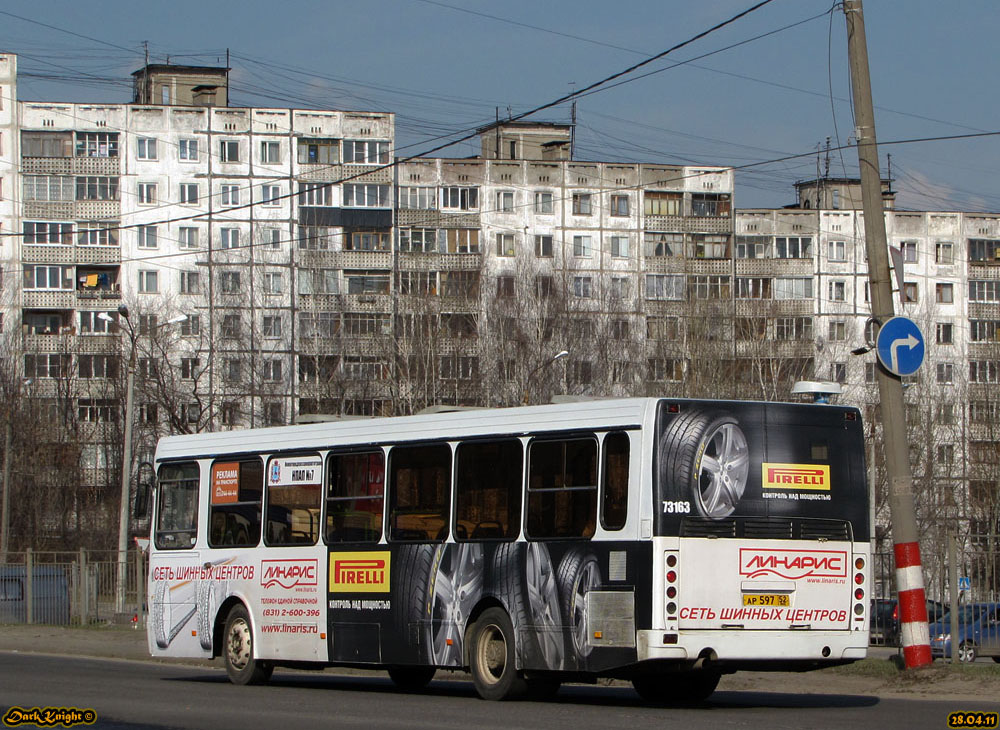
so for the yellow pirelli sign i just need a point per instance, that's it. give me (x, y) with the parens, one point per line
(796, 476)
(366, 572)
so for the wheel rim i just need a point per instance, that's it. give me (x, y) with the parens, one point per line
(587, 579)
(966, 653)
(543, 601)
(491, 654)
(723, 471)
(456, 586)
(239, 645)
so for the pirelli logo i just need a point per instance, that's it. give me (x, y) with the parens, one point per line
(366, 572)
(796, 476)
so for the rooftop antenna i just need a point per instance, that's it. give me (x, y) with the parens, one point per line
(572, 120)
(826, 163)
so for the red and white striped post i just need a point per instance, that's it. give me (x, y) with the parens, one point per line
(913, 631)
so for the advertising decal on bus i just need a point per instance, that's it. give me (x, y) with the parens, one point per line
(364, 572)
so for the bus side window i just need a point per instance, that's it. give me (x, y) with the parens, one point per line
(562, 488)
(234, 512)
(177, 508)
(354, 497)
(419, 489)
(488, 490)
(614, 502)
(294, 495)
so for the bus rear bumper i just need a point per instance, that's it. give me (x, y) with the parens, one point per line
(753, 646)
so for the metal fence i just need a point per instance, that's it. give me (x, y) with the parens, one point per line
(72, 587)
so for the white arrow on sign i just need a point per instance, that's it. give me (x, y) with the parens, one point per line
(909, 342)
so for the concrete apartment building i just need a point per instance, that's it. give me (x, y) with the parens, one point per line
(315, 279)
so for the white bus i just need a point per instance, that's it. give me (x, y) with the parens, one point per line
(659, 540)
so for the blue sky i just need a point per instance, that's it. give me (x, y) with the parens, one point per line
(444, 67)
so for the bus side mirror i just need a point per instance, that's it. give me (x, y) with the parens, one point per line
(143, 490)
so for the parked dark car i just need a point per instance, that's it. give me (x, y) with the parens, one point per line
(885, 619)
(978, 633)
(49, 595)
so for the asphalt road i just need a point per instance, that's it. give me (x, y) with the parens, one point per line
(139, 694)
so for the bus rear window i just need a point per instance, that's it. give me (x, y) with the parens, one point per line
(354, 495)
(177, 509)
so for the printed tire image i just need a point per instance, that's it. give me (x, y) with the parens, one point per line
(677, 688)
(454, 587)
(415, 565)
(208, 606)
(578, 574)
(157, 615)
(238, 653)
(524, 573)
(703, 457)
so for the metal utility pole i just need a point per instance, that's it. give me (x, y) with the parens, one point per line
(909, 577)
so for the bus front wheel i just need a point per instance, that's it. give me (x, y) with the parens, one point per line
(492, 657)
(411, 679)
(238, 652)
(677, 688)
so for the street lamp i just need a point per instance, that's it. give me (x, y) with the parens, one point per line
(527, 384)
(127, 449)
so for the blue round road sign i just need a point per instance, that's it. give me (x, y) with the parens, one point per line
(900, 346)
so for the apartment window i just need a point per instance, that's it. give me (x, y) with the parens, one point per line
(273, 282)
(665, 369)
(270, 238)
(229, 237)
(229, 282)
(315, 194)
(232, 369)
(505, 287)
(944, 413)
(460, 240)
(319, 281)
(418, 198)
(191, 326)
(583, 287)
(945, 373)
(753, 287)
(909, 250)
(189, 193)
(366, 152)
(582, 204)
(230, 195)
(147, 193)
(97, 366)
(190, 413)
(544, 286)
(984, 330)
(619, 287)
(704, 246)
(318, 151)
(663, 328)
(96, 410)
(583, 246)
(458, 367)
(46, 144)
(543, 203)
(662, 203)
(367, 282)
(793, 328)
(945, 453)
(418, 240)
(147, 324)
(943, 293)
(751, 328)
(366, 196)
(664, 286)
(46, 366)
(619, 247)
(148, 282)
(838, 291)
(231, 326)
(41, 232)
(460, 283)
(984, 290)
(270, 152)
(838, 372)
(367, 241)
(794, 247)
(709, 287)
(47, 188)
(944, 253)
(190, 282)
(944, 333)
(187, 237)
(145, 148)
(189, 367)
(187, 150)
(459, 198)
(869, 372)
(837, 250)
(270, 195)
(147, 236)
(97, 144)
(619, 330)
(96, 187)
(619, 205)
(793, 288)
(97, 233)
(272, 370)
(48, 277)
(229, 150)
(910, 292)
(983, 371)
(543, 246)
(505, 201)
(710, 204)
(271, 326)
(838, 330)
(91, 324)
(663, 244)
(505, 244)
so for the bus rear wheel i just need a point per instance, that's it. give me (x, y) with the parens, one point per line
(238, 651)
(492, 657)
(411, 678)
(687, 687)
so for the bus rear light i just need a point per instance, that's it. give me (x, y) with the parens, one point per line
(671, 576)
(671, 609)
(671, 561)
(671, 592)
(859, 593)
(859, 563)
(859, 608)
(859, 578)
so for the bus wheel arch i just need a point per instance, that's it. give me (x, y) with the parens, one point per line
(484, 604)
(238, 650)
(219, 626)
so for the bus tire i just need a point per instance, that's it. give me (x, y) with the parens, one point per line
(525, 578)
(238, 650)
(542, 688)
(492, 657)
(411, 679)
(704, 458)
(454, 587)
(676, 688)
(578, 574)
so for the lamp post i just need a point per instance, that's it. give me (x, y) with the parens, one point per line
(127, 450)
(527, 384)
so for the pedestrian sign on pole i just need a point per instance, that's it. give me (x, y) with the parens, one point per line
(900, 346)
(964, 584)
